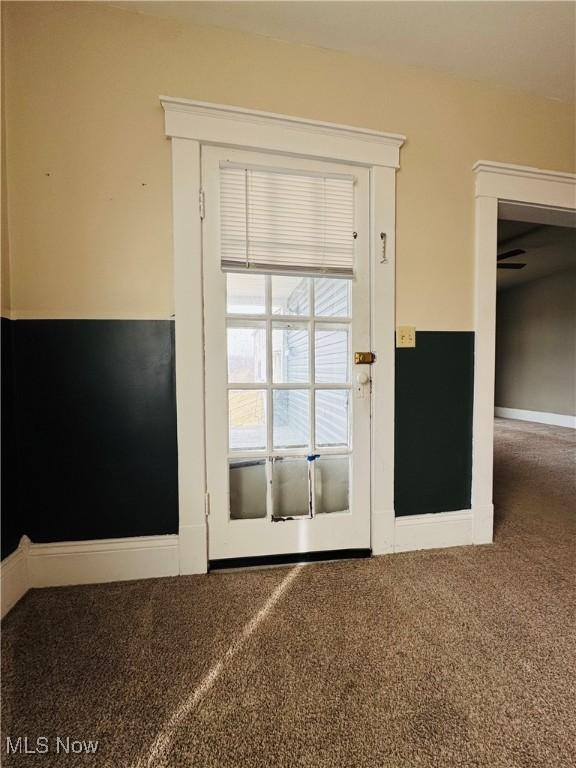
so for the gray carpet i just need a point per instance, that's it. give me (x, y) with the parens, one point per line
(462, 657)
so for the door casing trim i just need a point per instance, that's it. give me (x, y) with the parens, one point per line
(496, 183)
(191, 125)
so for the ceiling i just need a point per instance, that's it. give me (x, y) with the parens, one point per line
(527, 46)
(548, 249)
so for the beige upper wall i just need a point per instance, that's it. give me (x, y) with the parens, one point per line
(89, 167)
(4, 242)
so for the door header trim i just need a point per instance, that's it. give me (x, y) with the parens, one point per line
(226, 125)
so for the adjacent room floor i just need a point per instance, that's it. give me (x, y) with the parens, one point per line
(462, 657)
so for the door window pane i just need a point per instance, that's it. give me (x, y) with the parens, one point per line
(332, 420)
(290, 488)
(290, 295)
(332, 297)
(331, 355)
(291, 418)
(247, 355)
(245, 294)
(247, 489)
(246, 419)
(332, 484)
(290, 354)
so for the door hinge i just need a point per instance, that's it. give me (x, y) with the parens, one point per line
(207, 504)
(201, 204)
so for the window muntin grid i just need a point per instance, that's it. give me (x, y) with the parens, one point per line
(332, 332)
(301, 400)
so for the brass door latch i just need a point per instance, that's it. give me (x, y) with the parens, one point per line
(364, 358)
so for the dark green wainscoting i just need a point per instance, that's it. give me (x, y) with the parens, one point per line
(433, 431)
(12, 521)
(95, 414)
(89, 428)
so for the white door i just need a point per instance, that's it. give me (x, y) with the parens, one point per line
(287, 409)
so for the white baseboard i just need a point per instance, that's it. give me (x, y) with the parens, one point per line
(14, 576)
(98, 561)
(554, 419)
(68, 563)
(102, 560)
(433, 531)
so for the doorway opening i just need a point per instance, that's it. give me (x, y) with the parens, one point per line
(515, 193)
(535, 360)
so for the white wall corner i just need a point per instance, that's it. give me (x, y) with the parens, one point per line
(193, 549)
(14, 576)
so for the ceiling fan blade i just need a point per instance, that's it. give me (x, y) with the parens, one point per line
(510, 266)
(509, 254)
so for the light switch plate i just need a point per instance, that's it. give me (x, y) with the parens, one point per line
(405, 336)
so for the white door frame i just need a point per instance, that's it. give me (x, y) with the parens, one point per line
(191, 124)
(495, 183)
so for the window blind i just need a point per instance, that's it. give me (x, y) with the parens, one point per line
(279, 221)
